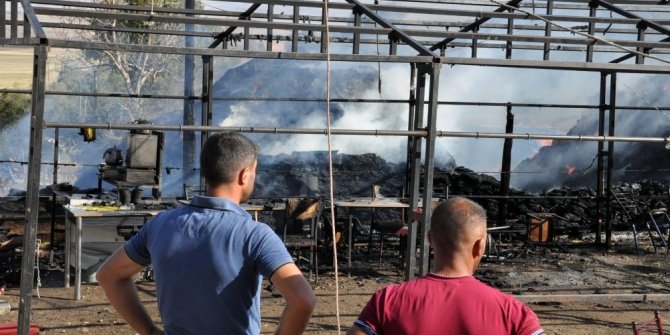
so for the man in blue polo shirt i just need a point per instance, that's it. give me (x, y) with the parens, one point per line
(209, 258)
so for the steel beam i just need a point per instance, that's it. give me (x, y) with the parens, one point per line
(610, 158)
(415, 172)
(3, 20)
(14, 19)
(294, 33)
(33, 188)
(398, 33)
(639, 59)
(188, 117)
(30, 15)
(207, 102)
(244, 16)
(649, 23)
(269, 31)
(506, 164)
(473, 26)
(601, 154)
(357, 36)
(547, 30)
(429, 166)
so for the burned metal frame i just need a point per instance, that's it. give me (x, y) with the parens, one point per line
(409, 41)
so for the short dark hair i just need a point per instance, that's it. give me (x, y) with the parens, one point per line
(453, 219)
(224, 155)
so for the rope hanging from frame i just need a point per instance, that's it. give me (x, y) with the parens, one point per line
(326, 41)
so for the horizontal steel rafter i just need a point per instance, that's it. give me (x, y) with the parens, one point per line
(397, 22)
(57, 43)
(577, 66)
(555, 65)
(265, 130)
(362, 132)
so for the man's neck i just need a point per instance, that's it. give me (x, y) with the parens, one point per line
(227, 192)
(452, 266)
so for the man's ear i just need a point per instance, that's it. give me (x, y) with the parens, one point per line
(243, 176)
(478, 248)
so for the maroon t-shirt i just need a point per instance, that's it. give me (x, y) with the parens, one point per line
(435, 305)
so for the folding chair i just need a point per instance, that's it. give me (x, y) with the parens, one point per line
(654, 325)
(300, 230)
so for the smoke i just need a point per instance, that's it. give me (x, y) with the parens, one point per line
(574, 163)
(307, 80)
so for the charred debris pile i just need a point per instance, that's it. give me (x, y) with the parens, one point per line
(306, 174)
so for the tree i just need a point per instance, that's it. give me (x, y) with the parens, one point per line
(12, 107)
(128, 72)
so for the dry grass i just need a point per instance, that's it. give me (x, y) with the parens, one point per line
(16, 68)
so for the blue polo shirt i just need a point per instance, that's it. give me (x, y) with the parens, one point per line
(209, 259)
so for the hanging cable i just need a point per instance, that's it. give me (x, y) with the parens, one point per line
(326, 41)
(600, 39)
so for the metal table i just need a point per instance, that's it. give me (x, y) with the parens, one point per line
(364, 202)
(77, 218)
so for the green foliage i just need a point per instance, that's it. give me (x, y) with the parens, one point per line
(12, 107)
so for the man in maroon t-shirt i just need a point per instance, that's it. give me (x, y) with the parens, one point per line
(449, 300)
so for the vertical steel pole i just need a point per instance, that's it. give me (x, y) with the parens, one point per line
(295, 35)
(641, 28)
(429, 157)
(508, 44)
(415, 172)
(52, 231)
(3, 20)
(506, 166)
(188, 144)
(593, 5)
(32, 199)
(610, 158)
(600, 188)
(547, 30)
(474, 43)
(26, 27)
(324, 19)
(271, 8)
(357, 36)
(410, 126)
(207, 101)
(14, 17)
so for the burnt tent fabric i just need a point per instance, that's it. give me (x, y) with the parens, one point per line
(300, 232)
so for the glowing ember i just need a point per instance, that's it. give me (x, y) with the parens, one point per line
(545, 143)
(570, 169)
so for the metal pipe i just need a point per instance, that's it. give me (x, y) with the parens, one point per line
(320, 131)
(266, 130)
(528, 136)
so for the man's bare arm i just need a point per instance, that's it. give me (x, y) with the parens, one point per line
(299, 296)
(116, 278)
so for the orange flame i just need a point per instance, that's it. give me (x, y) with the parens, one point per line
(570, 169)
(545, 143)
